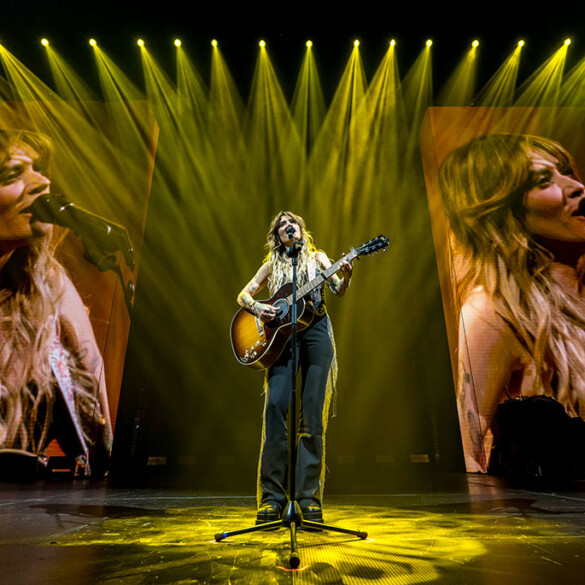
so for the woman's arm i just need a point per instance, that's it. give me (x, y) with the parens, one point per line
(246, 300)
(488, 355)
(337, 285)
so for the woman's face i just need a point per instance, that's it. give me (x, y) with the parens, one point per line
(552, 206)
(20, 185)
(284, 223)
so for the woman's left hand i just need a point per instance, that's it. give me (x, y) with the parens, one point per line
(346, 268)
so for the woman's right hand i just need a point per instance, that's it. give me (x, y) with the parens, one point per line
(264, 311)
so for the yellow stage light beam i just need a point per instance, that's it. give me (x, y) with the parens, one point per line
(68, 83)
(542, 88)
(572, 93)
(24, 84)
(180, 131)
(159, 89)
(115, 85)
(93, 42)
(418, 91)
(380, 120)
(499, 90)
(331, 168)
(460, 87)
(226, 108)
(271, 135)
(308, 103)
(118, 89)
(224, 115)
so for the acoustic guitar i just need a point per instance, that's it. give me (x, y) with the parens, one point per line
(258, 344)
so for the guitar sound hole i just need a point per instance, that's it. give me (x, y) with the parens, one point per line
(282, 307)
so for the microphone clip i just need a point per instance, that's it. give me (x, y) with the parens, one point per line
(294, 250)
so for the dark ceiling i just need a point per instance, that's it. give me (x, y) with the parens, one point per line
(116, 26)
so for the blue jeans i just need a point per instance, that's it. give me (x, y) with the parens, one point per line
(314, 357)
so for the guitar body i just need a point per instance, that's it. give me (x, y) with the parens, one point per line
(258, 344)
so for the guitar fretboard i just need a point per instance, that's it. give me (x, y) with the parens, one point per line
(304, 290)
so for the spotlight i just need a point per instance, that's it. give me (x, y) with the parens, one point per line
(309, 44)
(392, 43)
(475, 44)
(262, 43)
(44, 42)
(140, 43)
(177, 42)
(214, 43)
(521, 43)
(429, 43)
(567, 42)
(356, 43)
(93, 42)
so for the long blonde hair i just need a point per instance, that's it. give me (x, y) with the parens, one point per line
(276, 257)
(31, 283)
(483, 183)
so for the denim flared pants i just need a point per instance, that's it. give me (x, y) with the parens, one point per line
(314, 357)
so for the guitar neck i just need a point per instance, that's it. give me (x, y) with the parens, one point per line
(304, 290)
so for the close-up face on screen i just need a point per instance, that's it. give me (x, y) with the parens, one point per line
(506, 195)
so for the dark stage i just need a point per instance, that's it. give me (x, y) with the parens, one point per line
(428, 528)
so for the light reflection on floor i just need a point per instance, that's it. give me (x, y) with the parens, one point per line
(488, 537)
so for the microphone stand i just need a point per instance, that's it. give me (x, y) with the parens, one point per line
(292, 517)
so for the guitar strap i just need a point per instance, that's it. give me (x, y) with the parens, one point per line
(317, 295)
(312, 267)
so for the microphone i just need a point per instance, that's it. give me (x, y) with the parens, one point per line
(294, 250)
(95, 231)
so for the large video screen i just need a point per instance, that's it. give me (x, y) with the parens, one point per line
(505, 192)
(67, 289)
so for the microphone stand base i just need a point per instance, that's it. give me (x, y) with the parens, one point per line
(292, 519)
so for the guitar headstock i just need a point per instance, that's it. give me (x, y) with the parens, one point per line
(374, 245)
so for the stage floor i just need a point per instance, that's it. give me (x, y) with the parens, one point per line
(428, 528)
